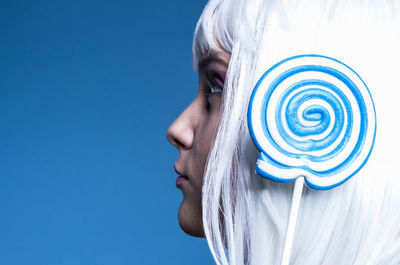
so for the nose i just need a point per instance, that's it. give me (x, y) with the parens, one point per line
(181, 132)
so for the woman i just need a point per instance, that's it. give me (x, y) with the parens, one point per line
(244, 216)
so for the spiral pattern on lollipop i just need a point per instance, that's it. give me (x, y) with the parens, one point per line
(311, 116)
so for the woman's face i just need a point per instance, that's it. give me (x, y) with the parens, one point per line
(192, 133)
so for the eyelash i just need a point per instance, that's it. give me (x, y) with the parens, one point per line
(215, 87)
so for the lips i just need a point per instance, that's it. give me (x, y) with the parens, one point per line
(179, 173)
(181, 178)
(180, 181)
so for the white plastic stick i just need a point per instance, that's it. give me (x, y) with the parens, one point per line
(291, 227)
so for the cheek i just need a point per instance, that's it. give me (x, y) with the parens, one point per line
(200, 155)
(204, 139)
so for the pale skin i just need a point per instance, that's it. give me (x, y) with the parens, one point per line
(192, 134)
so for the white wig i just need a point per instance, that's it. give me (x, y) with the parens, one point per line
(245, 215)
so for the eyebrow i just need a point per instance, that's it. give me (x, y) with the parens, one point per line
(207, 60)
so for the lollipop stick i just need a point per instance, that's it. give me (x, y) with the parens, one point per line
(294, 210)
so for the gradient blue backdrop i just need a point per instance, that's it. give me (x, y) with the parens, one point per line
(87, 91)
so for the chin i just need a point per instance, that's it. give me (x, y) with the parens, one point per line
(190, 219)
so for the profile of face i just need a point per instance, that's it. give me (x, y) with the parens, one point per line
(192, 134)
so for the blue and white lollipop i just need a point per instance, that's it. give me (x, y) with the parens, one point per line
(311, 116)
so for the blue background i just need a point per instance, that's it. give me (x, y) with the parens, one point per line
(87, 91)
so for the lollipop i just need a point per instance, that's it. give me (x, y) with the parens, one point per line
(313, 119)
(311, 116)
